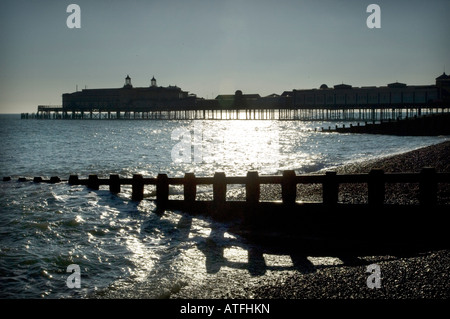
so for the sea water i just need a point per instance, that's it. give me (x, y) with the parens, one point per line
(125, 248)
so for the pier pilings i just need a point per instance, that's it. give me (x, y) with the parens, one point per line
(345, 113)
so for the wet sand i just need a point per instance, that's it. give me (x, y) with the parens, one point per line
(422, 275)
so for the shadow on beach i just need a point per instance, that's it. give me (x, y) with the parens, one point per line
(406, 264)
(410, 269)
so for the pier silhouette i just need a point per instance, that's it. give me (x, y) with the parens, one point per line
(341, 102)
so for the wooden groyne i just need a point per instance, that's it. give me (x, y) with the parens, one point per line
(319, 225)
(376, 180)
(429, 125)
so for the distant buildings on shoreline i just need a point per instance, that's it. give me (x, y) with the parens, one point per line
(153, 97)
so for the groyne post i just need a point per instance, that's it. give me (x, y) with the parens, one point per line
(330, 188)
(73, 180)
(54, 179)
(288, 187)
(219, 193)
(428, 187)
(162, 189)
(137, 187)
(252, 188)
(376, 187)
(252, 194)
(190, 187)
(114, 183)
(93, 182)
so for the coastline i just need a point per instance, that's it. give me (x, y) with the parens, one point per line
(421, 275)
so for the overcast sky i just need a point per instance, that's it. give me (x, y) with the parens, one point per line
(216, 47)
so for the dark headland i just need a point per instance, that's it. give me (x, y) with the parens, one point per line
(429, 125)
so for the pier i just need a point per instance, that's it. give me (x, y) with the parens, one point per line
(341, 102)
(351, 113)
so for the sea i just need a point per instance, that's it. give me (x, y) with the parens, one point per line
(61, 241)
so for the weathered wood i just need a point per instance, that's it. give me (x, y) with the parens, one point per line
(376, 180)
(376, 187)
(219, 194)
(137, 188)
(162, 189)
(54, 179)
(74, 180)
(190, 187)
(114, 183)
(93, 182)
(288, 187)
(330, 189)
(428, 187)
(252, 188)
(219, 188)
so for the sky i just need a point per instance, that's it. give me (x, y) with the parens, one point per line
(216, 47)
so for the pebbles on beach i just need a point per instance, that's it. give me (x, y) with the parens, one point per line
(415, 276)
(436, 156)
(423, 276)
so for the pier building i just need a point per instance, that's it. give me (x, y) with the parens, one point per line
(127, 98)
